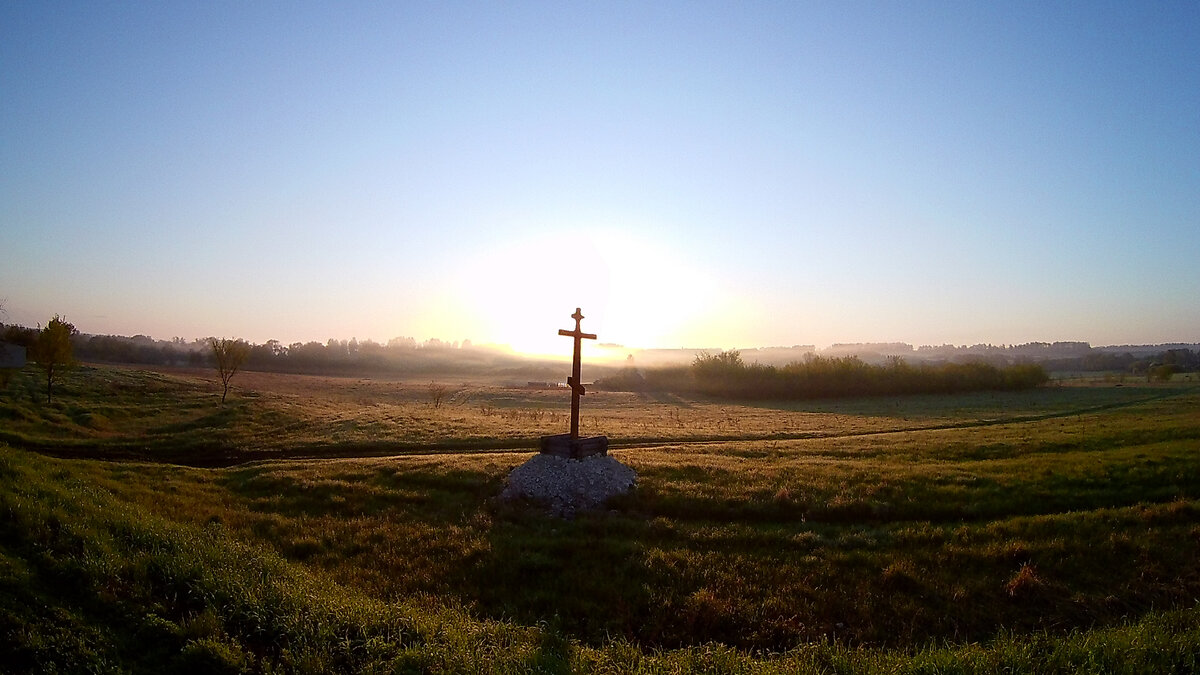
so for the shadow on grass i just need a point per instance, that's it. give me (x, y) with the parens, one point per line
(444, 497)
(224, 418)
(585, 577)
(1039, 403)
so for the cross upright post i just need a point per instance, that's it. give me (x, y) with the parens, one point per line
(574, 380)
(571, 446)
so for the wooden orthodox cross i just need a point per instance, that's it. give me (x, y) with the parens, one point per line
(571, 446)
(573, 380)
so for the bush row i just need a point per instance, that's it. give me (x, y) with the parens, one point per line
(726, 375)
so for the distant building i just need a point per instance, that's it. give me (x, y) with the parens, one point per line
(11, 356)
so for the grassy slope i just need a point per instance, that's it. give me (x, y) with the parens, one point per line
(94, 583)
(1053, 543)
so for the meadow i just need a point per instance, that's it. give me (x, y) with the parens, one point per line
(321, 524)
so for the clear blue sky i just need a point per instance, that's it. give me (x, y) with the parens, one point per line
(725, 174)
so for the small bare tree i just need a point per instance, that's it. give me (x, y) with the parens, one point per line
(437, 392)
(229, 355)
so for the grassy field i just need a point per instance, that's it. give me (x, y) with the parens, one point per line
(1050, 530)
(174, 415)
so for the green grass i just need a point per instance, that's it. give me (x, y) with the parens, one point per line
(1053, 531)
(93, 582)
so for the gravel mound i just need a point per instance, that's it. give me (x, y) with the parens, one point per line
(569, 485)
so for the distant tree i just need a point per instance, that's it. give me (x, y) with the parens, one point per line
(1161, 372)
(52, 351)
(721, 363)
(229, 355)
(19, 335)
(402, 343)
(437, 392)
(5, 373)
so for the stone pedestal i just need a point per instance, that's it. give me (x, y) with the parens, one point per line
(562, 445)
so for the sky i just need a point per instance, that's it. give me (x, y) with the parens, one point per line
(690, 174)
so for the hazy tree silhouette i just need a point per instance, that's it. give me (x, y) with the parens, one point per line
(52, 351)
(5, 373)
(229, 355)
(437, 392)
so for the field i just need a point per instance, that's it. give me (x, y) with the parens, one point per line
(321, 524)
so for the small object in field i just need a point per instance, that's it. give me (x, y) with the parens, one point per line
(567, 486)
(570, 445)
(12, 356)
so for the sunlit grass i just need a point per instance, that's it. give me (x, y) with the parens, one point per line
(135, 413)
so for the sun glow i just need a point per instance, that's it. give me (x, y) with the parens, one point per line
(632, 292)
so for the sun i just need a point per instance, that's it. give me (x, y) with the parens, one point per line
(632, 292)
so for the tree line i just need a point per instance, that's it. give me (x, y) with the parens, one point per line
(399, 356)
(726, 375)
(1161, 365)
(722, 374)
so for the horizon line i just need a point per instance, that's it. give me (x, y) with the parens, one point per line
(609, 346)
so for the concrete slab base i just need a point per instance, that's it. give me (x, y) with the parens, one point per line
(562, 445)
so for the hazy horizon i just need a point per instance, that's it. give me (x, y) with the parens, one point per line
(609, 350)
(687, 173)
